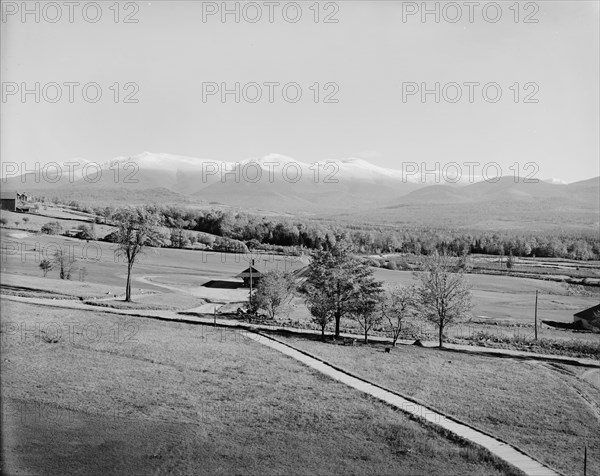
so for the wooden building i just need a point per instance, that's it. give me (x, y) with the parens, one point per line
(8, 201)
(251, 276)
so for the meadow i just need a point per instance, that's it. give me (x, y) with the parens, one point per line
(549, 410)
(206, 404)
(174, 279)
(109, 395)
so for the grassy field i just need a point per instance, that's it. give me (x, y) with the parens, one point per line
(173, 279)
(510, 299)
(32, 222)
(551, 411)
(90, 393)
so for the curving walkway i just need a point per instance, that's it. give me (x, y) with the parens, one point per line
(502, 450)
(192, 316)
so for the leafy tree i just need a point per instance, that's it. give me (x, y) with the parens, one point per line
(510, 261)
(177, 225)
(137, 228)
(273, 291)
(253, 244)
(391, 264)
(464, 261)
(88, 232)
(52, 228)
(444, 296)
(321, 307)
(364, 305)
(399, 305)
(341, 277)
(46, 265)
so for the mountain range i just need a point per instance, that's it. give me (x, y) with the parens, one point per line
(281, 184)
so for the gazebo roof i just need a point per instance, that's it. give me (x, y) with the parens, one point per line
(246, 273)
(588, 314)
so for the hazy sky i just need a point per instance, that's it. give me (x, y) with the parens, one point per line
(369, 53)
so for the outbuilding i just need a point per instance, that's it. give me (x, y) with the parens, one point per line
(251, 276)
(8, 201)
(588, 318)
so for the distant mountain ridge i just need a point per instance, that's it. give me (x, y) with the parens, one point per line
(280, 183)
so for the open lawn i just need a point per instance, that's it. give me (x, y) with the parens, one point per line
(174, 279)
(33, 222)
(109, 395)
(511, 300)
(551, 411)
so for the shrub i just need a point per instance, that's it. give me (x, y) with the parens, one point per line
(206, 239)
(372, 262)
(52, 228)
(88, 232)
(3, 221)
(253, 244)
(227, 244)
(572, 347)
(46, 265)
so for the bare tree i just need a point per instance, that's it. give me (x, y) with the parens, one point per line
(444, 295)
(137, 228)
(64, 262)
(273, 291)
(397, 307)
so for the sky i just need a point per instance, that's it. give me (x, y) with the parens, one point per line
(371, 64)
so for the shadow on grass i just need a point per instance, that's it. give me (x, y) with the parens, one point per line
(223, 284)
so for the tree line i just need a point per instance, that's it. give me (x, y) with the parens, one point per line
(268, 233)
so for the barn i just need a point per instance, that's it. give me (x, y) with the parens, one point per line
(8, 201)
(584, 319)
(251, 276)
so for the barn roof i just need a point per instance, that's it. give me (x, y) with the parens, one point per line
(246, 273)
(8, 195)
(589, 313)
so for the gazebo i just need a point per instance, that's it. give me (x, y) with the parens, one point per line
(251, 276)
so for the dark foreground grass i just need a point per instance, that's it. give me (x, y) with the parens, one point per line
(109, 395)
(545, 409)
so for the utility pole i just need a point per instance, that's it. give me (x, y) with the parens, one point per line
(536, 324)
(250, 299)
(585, 461)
